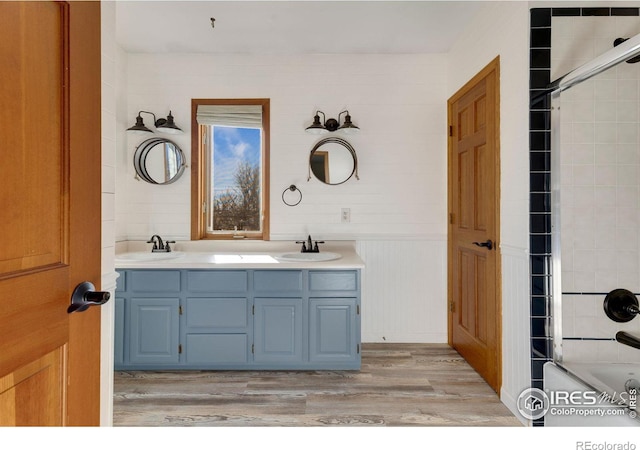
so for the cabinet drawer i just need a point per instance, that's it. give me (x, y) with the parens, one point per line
(216, 312)
(216, 348)
(154, 281)
(277, 281)
(333, 280)
(217, 280)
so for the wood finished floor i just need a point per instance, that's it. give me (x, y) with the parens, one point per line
(398, 385)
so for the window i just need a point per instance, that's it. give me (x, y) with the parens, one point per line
(230, 169)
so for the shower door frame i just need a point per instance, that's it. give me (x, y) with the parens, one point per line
(556, 238)
(607, 60)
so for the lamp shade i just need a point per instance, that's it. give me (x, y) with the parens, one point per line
(139, 127)
(348, 127)
(316, 127)
(168, 125)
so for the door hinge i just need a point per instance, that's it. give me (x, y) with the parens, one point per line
(253, 310)
(179, 349)
(204, 207)
(253, 348)
(450, 130)
(451, 219)
(358, 348)
(180, 310)
(358, 310)
(452, 307)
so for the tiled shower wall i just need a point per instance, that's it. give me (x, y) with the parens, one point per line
(601, 249)
(599, 186)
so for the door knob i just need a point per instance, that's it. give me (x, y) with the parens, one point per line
(488, 243)
(85, 295)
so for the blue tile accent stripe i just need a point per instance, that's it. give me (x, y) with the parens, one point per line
(540, 192)
(540, 177)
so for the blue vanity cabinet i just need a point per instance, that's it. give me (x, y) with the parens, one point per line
(278, 318)
(119, 319)
(153, 330)
(278, 328)
(118, 345)
(334, 317)
(271, 319)
(153, 312)
(216, 319)
(333, 330)
(147, 315)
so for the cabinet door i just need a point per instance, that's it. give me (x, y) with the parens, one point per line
(278, 326)
(333, 329)
(153, 331)
(118, 346)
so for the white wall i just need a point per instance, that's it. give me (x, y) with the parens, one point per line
(503, 29)
(398, 207)
(397, 100)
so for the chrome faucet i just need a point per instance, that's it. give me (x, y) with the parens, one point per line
(309, 247)
(159, 245)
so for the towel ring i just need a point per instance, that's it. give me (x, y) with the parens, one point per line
(292, 188)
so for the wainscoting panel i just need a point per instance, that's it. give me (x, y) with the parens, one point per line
(405, 284)
(515, 325)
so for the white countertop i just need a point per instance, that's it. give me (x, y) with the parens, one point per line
(233, 255)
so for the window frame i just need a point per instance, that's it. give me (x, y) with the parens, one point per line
(199, 175)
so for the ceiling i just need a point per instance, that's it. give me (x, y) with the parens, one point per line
(291, 27)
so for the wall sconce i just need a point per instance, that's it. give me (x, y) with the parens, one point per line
(332, 124)
(163, 125)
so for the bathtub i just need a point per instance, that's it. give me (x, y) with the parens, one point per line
(593, 395)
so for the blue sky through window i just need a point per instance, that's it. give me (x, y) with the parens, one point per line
(232, 145)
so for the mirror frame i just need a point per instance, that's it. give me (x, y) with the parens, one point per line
(345, 144)
(140, 158)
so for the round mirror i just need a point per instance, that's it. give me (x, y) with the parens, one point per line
(333, 161)
(158, 161)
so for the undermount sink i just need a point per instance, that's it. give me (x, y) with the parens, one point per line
(149, 256)
(309, 257)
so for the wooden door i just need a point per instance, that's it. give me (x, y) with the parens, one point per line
(50, 211)
(474, 211)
